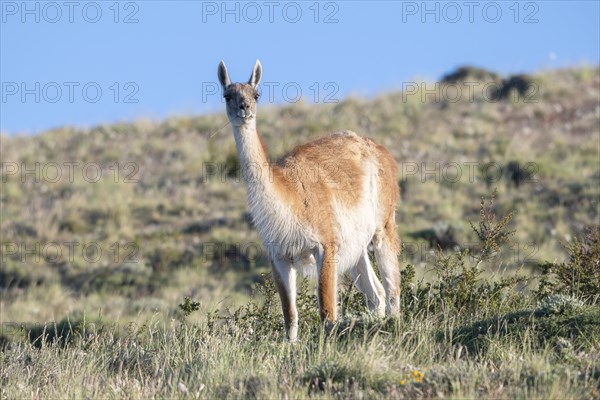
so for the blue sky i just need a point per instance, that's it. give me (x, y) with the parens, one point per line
(87, 63)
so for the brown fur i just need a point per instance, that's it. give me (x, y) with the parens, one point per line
(330, 168)
(327, 286)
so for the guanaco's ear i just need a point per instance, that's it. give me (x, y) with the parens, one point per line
(223, 76)
(256, 74)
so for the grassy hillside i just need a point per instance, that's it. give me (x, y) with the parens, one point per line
(119, 223)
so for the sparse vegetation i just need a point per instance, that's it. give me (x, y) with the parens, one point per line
(580, 275)
(499, 299)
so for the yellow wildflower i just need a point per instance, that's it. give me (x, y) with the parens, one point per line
(418, 376)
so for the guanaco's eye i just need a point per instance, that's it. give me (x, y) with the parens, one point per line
(227, 97)
(256, 96)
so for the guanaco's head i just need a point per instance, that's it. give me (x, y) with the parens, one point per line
(240, 98)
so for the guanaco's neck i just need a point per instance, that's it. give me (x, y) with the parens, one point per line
(254, 162)
(270, 203)
(251, 152)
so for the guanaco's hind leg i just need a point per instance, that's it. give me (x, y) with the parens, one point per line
(367, 282)
(387, 247)
(284, 275)
(327, 283)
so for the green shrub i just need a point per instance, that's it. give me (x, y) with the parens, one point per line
(189, 306)
(579, 276)
(459, 284)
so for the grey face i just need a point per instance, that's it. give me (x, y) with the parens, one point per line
(241, 100)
